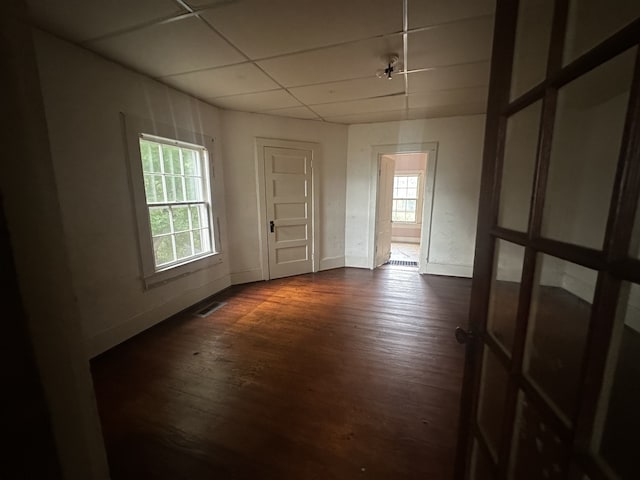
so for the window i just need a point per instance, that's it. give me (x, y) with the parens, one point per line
(177, 196)
(406, 198)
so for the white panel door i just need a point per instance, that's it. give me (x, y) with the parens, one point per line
(288, 191)
(383, 216)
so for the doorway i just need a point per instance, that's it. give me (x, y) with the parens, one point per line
(287, 194)
(404, 180)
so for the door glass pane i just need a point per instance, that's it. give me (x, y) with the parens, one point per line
(493, 390)
(586, 143)
(505, 288)
(481, 465)
(592, 21)
(537, 452)
(557, 331)
(518, 167)
(533, 35)
(616, 440)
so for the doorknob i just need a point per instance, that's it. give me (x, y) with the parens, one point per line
(271, 226)
(463, 336)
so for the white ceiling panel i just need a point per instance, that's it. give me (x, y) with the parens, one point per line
(349, 90)
(460, 42)
(369, 117)
(295, 112)
(446, 111)
(257, 102)
(381, 104)
(219, 82)
(434, 12)
(81, 20)
(458, 76)
(176, 47)
(256, 29)
(458, 96)
(354, 60)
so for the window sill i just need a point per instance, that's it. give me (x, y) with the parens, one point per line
(174, 272)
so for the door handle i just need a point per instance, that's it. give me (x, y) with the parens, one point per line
(463, 336)
(272, 227)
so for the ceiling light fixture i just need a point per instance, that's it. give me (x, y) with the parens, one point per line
(392, 67)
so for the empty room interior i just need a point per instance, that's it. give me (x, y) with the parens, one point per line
(340, 239)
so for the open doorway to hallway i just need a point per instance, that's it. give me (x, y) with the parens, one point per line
(404, 202)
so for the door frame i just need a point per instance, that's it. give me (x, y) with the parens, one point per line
(316, 156)
(431, 149)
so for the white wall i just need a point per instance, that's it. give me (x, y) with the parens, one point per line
(239, 150)
(457, 186)
(83, 96)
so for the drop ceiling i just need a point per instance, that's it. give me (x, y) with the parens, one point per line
(311, 59)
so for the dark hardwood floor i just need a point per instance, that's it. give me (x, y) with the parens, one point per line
(344, 374)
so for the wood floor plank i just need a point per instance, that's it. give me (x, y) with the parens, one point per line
(342, 374)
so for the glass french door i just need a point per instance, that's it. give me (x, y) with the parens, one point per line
(552, 376)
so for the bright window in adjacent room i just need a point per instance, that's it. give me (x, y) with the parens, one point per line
(406, 198)
(178, 197)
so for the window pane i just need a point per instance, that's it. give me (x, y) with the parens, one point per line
(402, 182)
(617, 424)
(159, 217)
(197, 242)
(170, 182)
(412, 193)
(558, 326)
(193, 189)
(410, 217)
(505, 291)
(411, 206)
(190, 159)
(592, 21)
(183, 245)
(413, 182)
(180, 218)
(154, 148)
(195, 216)
(153, 188)
(179, 186)
(493, 392)
(586, 143)
(145, 154)
(402, 205)
(206, 240)
(518, 167)
(169, 154)
(163, 250)
(538, 452)
(532, 44)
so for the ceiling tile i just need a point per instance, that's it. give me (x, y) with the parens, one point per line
(434, 12)
(294, 112)
(372, 117)
(354, 60)
(446, 111)
(458, 76)
(349, 90)
(262, 28)
(80, 20)
(380, 104)
(458, 96)
(257, 102)
(219, 82)
(461, 42)
(175, 47)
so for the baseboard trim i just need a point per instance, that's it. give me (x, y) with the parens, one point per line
(247, 276)
(415, 240)
(117, 334)
(449, 270)
(331, 262)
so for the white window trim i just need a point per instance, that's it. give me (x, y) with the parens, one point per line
(136, 128)
(419, 200)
